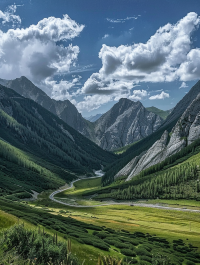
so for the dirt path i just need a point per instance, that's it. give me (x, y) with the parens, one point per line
(100, 174)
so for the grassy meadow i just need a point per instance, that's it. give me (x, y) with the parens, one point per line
(124, 221)
(168, 224)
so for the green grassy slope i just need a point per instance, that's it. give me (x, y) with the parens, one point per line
(131, 244)
(34, 129)
(20, 173)
(162, 113)
(38, 151)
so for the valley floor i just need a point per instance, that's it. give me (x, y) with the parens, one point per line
(164, 218)
(71, 196)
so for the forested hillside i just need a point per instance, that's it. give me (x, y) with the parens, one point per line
(175, 178)
(42, 146)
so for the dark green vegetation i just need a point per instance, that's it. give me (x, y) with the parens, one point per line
(123, 149)
(38, 150)
(180, 182)
(177, 177)
(37, 247)
(21, 173)
(137, 247)
(162, 113)
(135, 150)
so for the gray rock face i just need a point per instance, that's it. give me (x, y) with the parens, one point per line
(125, 123)
(186, 130)
(126, 171)
(63, 109)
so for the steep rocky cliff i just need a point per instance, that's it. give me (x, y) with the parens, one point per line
(186, 130)
(125, 123)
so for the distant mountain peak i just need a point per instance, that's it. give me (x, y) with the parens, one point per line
(125, 123)
(129, 101)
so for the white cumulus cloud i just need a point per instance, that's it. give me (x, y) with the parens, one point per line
(162, 95)
(154, 61)
(61, 90)
(93, 102)
(138, 94)
(35, 53)
(165, 57)
(190, 68)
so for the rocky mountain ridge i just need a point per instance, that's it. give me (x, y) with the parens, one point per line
(183, 104)
(62, 109)
(186, 131)
(126, 122)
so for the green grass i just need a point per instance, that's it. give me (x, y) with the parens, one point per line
(170, 224)
(177, 203)
(79, 188)
(7, 220)
(123, 149)
(87, 183)
(162, 113)
(167, 223)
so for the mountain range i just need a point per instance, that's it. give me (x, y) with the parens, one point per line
(36, 138)
(33, 126)
(126, 122)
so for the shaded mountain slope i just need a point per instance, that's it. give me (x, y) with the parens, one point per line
(183, 104)
(125, 123)
(30, 127)
(63, 109)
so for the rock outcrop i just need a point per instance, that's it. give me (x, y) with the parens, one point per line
(125, 123)
(186, 131)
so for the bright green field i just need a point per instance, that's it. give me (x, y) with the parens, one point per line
(80, 187)
(170, 224)
(6, 220)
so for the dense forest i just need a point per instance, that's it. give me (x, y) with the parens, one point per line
(177, 177)
(38, 151)
(28, 126)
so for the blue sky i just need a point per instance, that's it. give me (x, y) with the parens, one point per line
(145, 50)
